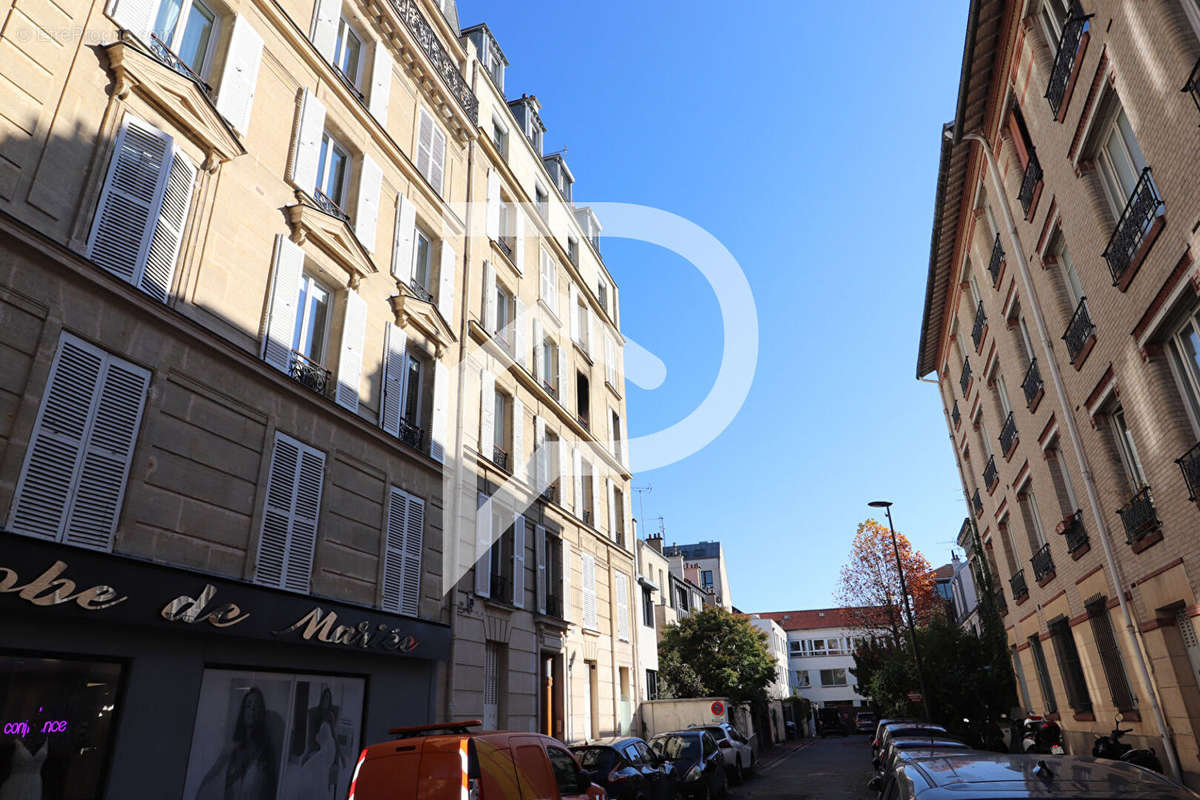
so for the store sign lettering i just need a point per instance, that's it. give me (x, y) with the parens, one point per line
(22, 729)
(48, 589)
(191, 610)
(322, 626)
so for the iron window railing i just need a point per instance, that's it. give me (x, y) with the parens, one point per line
(1019, 587)
(1032, 385)
(1079, 330)
(309, 374)
(420, 291)
(980, 324)
(991, 475)
(1064, 56)
(955, 414)
(965, 380)
(500, 457)
(1189, 465)
(1136, 220)
(1043, 563)
(977, 503)
(1008, 433)
(550, 493)
(1192, 87)
(1139, 516)
(167, 57)
(349, 84)
(505, 246)
(996, 260)
(326, 204)
(1029, 182)
(1074, 532)
(443, 64)
(410, 434)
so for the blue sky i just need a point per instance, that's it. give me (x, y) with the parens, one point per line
(804, 136)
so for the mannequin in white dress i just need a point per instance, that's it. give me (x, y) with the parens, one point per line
(24, 781)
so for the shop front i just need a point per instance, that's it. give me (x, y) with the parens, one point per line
(126, 679)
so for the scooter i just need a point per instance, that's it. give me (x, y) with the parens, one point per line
(1041, 736)
(1112, 747)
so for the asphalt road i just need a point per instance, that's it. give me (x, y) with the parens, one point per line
(835, 768)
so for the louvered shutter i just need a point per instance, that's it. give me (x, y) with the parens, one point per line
(622, 583)
(414, 548)
(404, 239)
(489, 297)
(303, 540)
(306, 146)
(573, 311)
(539, 350)
(437, 165)
(564, 385)
(393, 551)
(520, 340)
(577, 480)
(135, 16)
(493, 205)
(293, 504)
(354, 330)
(519, 560)
(483, 544)
(612, 508)
(437, 436)
(239, 79)
(487, 413)
(564, 467)
(610, 361)
(326, 16)
(566, 579)
(546, 272)
(393, 380)
(288, 270)
(519, 239)
(517, 464)
(424, 144)
(595, 478)
(163, 253)
(445, 299)
(593, 339)
(589, 591)
(381, 84)
(539, 553)
(366, 217)
(129, 203)
(541, 456)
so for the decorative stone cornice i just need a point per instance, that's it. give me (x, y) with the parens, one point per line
(422, 314)
(332, 235)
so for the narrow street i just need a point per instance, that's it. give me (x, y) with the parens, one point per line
(836, 768)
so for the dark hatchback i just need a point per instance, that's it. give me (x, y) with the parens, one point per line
(697, 767)
(627, 768)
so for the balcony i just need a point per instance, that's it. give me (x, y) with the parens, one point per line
(1124, 250)
(1192, 87)
(1008, 435)
(500, 457)
(420, 291)
(550, 388)
(1139, 517)
(1029, 184)
(348, 83)
(965, 381)
(977, 504)
(1189, 465)
(410, 434)
(550, 493)
(991, 476)
(955, 415)
(1043, 564)
(443, 64)
(1073, 531)
(1065, 56)
(996, 264)
(506, 246)
(323, 202)
(979, 326)
(1080, 331)
(309, 374)
(1019, 589)
(1032, 385)
(582, 419)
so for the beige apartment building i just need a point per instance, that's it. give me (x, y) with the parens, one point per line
(245, 250)
(1061, 309)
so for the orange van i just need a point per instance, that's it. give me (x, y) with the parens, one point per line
(447, 761)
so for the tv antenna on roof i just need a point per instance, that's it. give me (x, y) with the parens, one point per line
(641, 491)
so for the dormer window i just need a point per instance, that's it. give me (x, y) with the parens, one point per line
(495, 65)
(533, 133)
(542, 198)
(500, 137)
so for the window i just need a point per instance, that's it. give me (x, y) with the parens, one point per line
(507, 227)
(602, 294)
(802, 679)
(651, 684)
(495, 64)
(615, 421)
(582, 399)
(1070, 666)
(621, 586)
(681, 602)
(493, 684)
(1120, 161)
(554, 576)
(431, 151)
(504, 304)
(1053, 16)
(404, 540)
(1126, 450)
(618, 515)
(550, 366)
(310, 337)
(347, 55)
(589, 501)
(550, 452)
(794, 646)
(501, 556)
(1031, 518)
(1043, 674)
(1070, 277)
(1110, 657)
(500, 139)
(423, 262)
(573, 250)
(542, 198)
(706, 579)
(588, 563)
(1184, 349)
(72, 482)
(833, 677)
(332, 171)
(501, 427)
(289, 525)
(581, 323)
(188, 28)
(647, 607)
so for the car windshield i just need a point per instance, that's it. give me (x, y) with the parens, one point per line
(717, 732)
(674, 746)
(596, 758)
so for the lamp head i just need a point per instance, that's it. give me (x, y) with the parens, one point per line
(880, 503)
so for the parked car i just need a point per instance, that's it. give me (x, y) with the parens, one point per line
(886, 760)
(738, 750)
(1013, 776)
(448, 761)
(830, 719)
(627, 768)
(888, 732)
(864, 721)
(697, 766)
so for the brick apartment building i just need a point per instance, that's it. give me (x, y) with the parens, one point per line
(1077, 322)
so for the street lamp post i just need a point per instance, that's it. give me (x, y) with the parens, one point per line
(886, 505)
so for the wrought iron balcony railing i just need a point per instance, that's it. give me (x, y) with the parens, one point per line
(410, 434)
(1019, 587)
(551, 493)
(506, 246)
(1074, 532)
(326, 204)
(554, 605)
(1042, 563)
(1189, 464)
(167, 56)
(500, 588)
(1079, 330)
(309, 374)
(1064, 56)
(349, 83)
(1008, 434)
(420, 291)
(583, 420)
(965, 380)
(500, 457)
(1136, 220)
(1192, 86)
(991, 476)
(1029, 182)
(1139, 516)
(996, 260)
(955, 414)
(443, 64)
(1032, 385)
(980, 324)
(977, 503)
(587, 516)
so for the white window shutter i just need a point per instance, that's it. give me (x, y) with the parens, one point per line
(293, 505)
(518, 594)
(564, 386)
(612, 434)
(424, 142)
(163, 253)
(589, 592)
(354, 331)
(610, 361)
(622, 584)
(489, 297)
(381, 84)
(239, 79)
(612, 508)
(573, 311)
(487, 412)
(545, 273)
(564, 469)
(595, 498)
(577, 480)
(539, 350)
(566, 579)
(326, 16)
(404, 239)
(519, 239)
(135, 16)
(541, 456)
(593, 339)
(445, 299)
(393, 380)
(393, 551)
(539, 552)
(366, 217)
(129, 203)
(517, 458)
(437, 167)
(306, 147)
(285, 292)
(493, 204)
(414, 547)
(441, 391)
(520, 341)
(483, 544)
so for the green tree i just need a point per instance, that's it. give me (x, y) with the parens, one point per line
(713, 653)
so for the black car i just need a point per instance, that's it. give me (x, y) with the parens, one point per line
(697, 767)
(627, 768)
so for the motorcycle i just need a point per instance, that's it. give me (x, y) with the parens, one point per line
(1041, 736)
(1113, 748)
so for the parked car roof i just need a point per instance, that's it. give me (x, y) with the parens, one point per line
(607, 741)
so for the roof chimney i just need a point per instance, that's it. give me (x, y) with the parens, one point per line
(655, 541)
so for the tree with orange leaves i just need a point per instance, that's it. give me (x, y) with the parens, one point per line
(870, 588)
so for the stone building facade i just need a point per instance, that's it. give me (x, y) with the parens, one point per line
(1074, 323)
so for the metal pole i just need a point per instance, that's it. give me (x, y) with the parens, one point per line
(912, 628)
